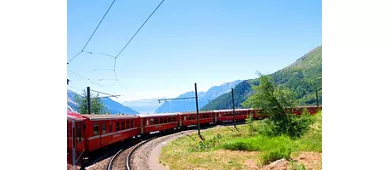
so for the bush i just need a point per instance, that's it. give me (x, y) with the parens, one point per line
(249, 122)
(294, 126)
(203, 145)
(275, 154)
(296, 166)
(298, 125)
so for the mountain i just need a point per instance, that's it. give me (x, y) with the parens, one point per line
(303, 77)
(144, 105)
(113, 107)
(204, 98)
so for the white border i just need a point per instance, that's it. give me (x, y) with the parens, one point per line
(356, 47)
(355, 84)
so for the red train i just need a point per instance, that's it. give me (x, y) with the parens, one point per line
(87, 133)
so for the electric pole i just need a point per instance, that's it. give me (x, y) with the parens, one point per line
(234, 113)
(197, 111)
(89, 99)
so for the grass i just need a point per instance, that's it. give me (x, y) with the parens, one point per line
(225, 148)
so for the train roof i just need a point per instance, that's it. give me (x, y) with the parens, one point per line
(108, 116)
(74, 115)
(157, 114)
(200, 112)
(230, 110)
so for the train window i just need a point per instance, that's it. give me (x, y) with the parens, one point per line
(169, 119)
(174, 119)
(128, 124)
(151, 121)
(123, 125)
(95, 129)
(103, 127)
(110, 127)
(117, 126)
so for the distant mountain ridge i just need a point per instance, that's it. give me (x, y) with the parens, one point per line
(143, 105)
(113, 107)
(302, 77)
(204, 98)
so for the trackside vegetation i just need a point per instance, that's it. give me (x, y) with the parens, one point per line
(258, 142)
(225, 148)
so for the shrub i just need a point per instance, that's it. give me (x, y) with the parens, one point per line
(298, 125)
(296, 166)
(206, 144)
(249, 122)
(275, 154)
(273, 100)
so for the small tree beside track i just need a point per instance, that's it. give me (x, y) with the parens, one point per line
(273, 100)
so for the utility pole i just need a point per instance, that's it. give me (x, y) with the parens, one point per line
(197, 111)
(89, 99)
(234, 113)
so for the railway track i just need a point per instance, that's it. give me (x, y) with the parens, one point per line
(121, 160)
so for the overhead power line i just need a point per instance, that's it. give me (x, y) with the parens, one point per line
(116, 77)
(84, 77)
(93, 32)
(139, 28)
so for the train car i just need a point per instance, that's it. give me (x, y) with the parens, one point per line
(104, 130)
(75, 139)
(189, 118)
(158, 122)
(257, 113)
(227, 115)
(311, 109)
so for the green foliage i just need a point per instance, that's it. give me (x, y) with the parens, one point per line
(258, 143)
(273, 100)
(275, 154)
(188, 152)
(312, 140)
(296, 166)
(204, 145)
(97, 106)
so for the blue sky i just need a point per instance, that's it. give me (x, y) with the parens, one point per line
(186, 41)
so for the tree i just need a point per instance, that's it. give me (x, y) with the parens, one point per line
(97, 106)
(277, 102)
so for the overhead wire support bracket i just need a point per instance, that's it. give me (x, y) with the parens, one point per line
(182, 98)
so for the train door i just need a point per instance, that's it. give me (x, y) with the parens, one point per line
(73, 145)
(100, 133)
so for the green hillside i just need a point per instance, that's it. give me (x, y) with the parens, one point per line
(303, 77)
